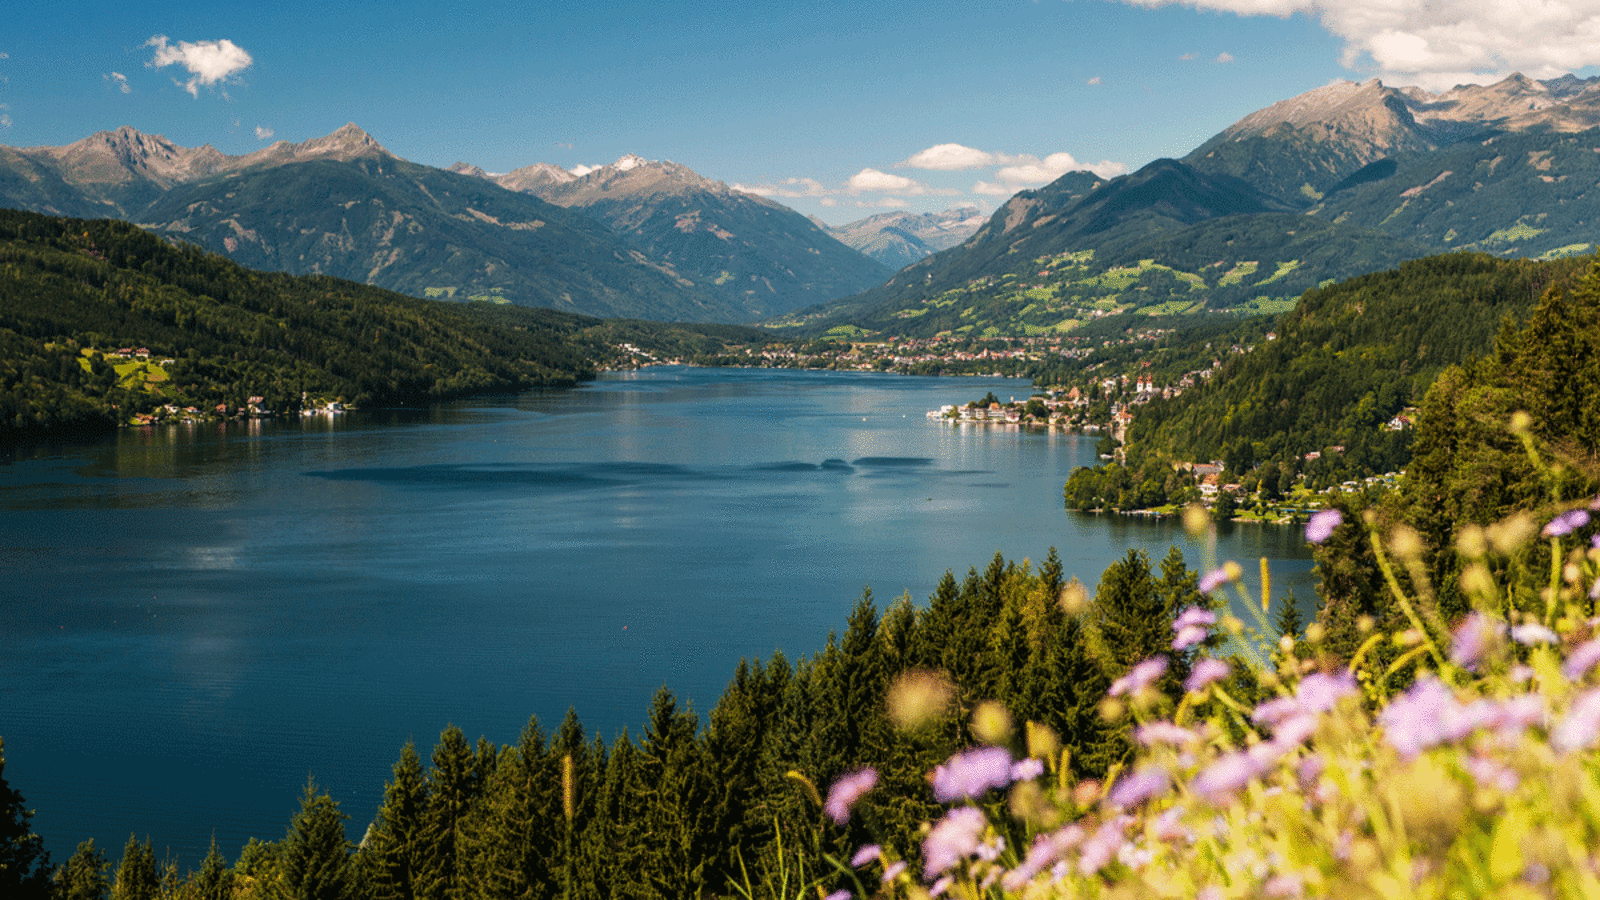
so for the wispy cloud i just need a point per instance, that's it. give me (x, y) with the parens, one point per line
(1224, 57)
(1438, 45)
(263, 132)
(1094, 80)
(209, 63)
(119, 80)
(789, 189)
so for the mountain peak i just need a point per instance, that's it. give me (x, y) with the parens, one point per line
(628, 162)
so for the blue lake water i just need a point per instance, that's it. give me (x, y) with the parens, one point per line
(195, 619)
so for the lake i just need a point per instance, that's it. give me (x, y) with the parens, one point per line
(197, 618)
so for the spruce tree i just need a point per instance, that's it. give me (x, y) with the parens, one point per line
(508, 846)
(454, 787)
(136, 876)
(84, 877)
(314, 859)
(212, 881)
(397, 851)
(24, 863)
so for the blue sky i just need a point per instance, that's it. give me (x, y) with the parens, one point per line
(838, 109)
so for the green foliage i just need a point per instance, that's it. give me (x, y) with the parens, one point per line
(1343, 364)
(24, 863)
(73, 291)
(83, 877)
(314, 859)
(136, 875)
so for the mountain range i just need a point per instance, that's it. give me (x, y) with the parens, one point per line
(635, 239)
(1337, 182)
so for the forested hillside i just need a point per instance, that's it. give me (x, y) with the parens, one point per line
(1343, 365)
(73, 293)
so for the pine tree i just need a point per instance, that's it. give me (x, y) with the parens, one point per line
(397, 850)
(136, 876)
(84, 877)
(508, 846)
(24, 863)
(212, 881)
(314, 859)
(454, 788)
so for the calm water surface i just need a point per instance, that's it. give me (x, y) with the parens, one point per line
(196, 619)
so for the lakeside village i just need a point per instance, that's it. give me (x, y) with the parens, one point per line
(137, 370)
(1108, 409)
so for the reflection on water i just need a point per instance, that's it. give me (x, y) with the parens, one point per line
(199, 617)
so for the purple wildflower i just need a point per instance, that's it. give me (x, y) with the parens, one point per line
(1581, 726)
(1490, 774)
(1164, 732)
(1517, 714)
(1318, 692)
(1188, 637)
(1429, 715)
(846, 791)
(1322, 524)
(1046, 849)
(952, 839)
(1101, 847)
(940, 886)
(894, 871)
(1532, 633)
(1214, 579)
(1273, 711)
(1581, 660)
(1566, 523)
(1194, 615)
(1472, 640)
(1026, 769)
(1137, 787)
(1140, 676)
(865, 855)
(838, 895)
(972, 774)
(1205, 672)
(1310, 768)
(1227, 775)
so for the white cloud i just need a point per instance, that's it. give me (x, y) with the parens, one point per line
(1437, 45)
(1095, 80)
(949, 158)
(1224, 57)
(208, 62)
(263, 132)
(1186, 57)
(582, 170)
(883, 182)
(120, 80)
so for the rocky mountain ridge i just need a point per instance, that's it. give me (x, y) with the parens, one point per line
(679, 247)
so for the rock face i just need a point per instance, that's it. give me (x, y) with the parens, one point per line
(1323, 136)
(634, 239)
(740, 249)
